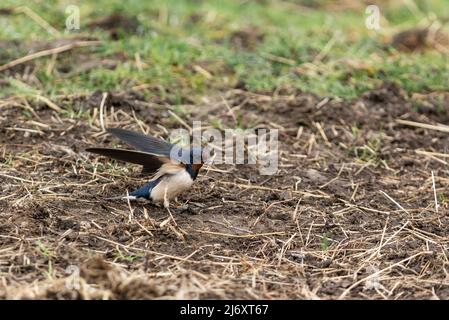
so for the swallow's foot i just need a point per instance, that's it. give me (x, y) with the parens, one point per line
(186, 208)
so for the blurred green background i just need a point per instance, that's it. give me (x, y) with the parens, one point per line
(193, 48)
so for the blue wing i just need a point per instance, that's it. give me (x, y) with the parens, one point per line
(150, 162)
(158, 147)
(145, 191)
(143, 142)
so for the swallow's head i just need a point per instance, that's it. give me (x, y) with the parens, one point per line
(196, 157)
(199, 157)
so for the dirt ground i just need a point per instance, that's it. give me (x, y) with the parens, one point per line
(351, 213)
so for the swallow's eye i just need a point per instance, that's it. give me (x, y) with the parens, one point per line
(206, 156)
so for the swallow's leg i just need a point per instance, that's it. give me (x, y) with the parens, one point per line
(166, 201)
(177, 204)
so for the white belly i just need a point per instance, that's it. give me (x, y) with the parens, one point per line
(171, 186)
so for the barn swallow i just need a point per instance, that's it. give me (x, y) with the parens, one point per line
(173, 169)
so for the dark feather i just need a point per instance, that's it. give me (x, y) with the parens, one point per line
(146, 170)
(145, 191)
(143, 142)
(151, 163)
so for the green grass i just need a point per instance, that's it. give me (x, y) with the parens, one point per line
(175, 36)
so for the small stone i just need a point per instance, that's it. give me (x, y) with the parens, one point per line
(286, 195)
(315, 176)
